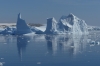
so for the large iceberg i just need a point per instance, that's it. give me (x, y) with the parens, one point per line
(22, 27)
(66, 24)
(72, 24)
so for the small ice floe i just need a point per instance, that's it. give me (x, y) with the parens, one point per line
(28, 41)
(1, 63)
(2, 58)
(38, 62)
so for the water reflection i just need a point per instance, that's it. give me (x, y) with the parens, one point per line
(49, 49)
(7, 39)
(22, 42)
(71, 44)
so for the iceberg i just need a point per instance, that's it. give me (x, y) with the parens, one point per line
(51, 26)
(72, 24)
(8, 30)
(66, 24)
(22, 27)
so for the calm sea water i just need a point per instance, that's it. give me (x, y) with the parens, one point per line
(50, 50)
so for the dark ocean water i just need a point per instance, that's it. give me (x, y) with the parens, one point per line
(50, 50)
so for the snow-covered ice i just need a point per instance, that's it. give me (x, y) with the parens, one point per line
(66, 25)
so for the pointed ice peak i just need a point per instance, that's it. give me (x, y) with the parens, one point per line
(22, 27)
(19, 15)
(71, 15)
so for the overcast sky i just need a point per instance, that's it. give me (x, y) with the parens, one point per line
(37, 11)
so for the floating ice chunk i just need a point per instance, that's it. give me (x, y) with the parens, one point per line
(2, 58)
(28, 41)
(38, 62)
(72, 46)
(1, 63)
(8, 30)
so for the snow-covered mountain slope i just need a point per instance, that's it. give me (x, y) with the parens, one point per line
(22, 27)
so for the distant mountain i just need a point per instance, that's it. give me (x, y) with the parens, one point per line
(93, 28)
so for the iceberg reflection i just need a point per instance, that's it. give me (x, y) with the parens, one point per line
(22, 42)
(67, 43)
(71, 45)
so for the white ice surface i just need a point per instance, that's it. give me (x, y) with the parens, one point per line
(42, 28)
